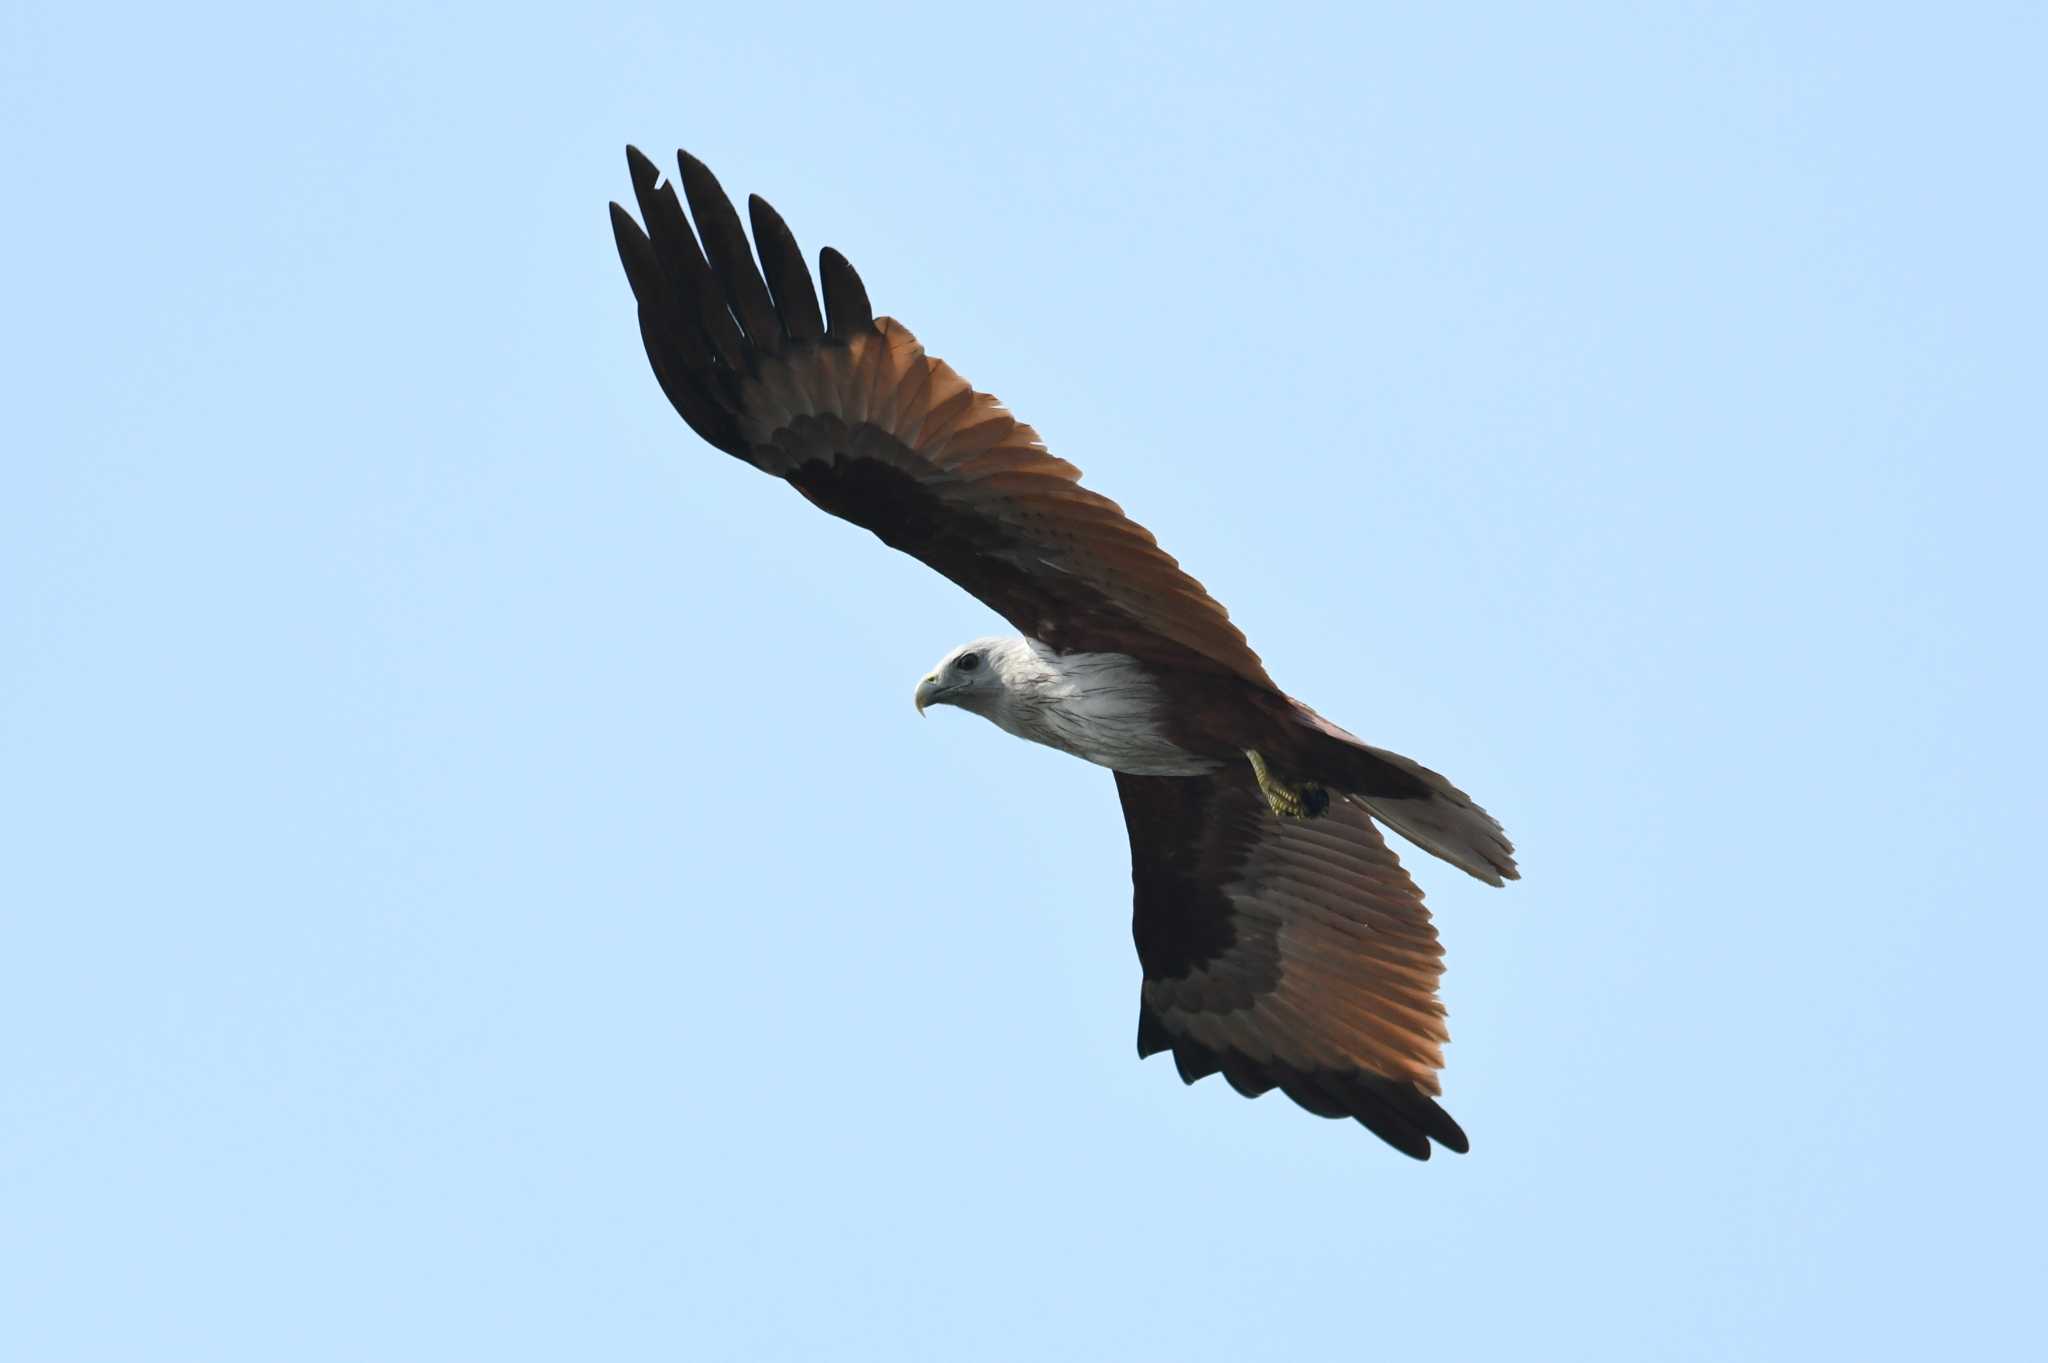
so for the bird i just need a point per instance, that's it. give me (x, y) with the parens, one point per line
(1281, 942)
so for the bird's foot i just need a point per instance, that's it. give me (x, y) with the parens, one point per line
(1303, 801)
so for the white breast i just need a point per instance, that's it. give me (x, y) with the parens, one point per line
(1103, 707)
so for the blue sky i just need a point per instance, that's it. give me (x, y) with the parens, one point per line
(472, 884)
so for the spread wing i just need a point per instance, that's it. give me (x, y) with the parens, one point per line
(1288, 955)
(849, 409)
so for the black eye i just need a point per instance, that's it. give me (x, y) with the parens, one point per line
(967, 662)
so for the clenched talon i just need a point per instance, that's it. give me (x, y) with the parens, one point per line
(1304, 801)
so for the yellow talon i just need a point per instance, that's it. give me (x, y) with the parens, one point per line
(1304, 801)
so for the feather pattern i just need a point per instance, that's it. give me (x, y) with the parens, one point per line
(1284, 954)
(867, 425)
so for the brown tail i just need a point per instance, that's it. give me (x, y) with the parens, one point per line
(1411, 799)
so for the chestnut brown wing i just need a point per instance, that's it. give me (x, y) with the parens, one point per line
(1286, 954)
(852, 412)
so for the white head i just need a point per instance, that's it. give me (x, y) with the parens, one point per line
(980, 676)
(1104, 707)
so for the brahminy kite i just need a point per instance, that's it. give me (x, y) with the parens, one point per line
(1281, 942)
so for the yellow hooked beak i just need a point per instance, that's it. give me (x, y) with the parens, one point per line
(926, 689)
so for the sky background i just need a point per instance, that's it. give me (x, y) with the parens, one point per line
(472, 884)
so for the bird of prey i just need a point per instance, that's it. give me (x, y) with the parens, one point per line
(1281, 942)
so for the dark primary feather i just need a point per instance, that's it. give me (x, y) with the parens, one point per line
(846, 298)
(864, 423)
(726, 246)
(696, 290)
(796, 302)
(1284, 954)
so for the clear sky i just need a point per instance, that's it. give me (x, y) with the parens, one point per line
(472, 884)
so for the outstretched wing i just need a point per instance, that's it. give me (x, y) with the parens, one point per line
(1289, 955)
(849, 409)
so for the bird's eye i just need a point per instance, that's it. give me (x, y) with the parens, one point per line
(967, 662)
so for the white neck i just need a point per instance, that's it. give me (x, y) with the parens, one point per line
(1102, 707)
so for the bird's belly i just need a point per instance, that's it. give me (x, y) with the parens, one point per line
(1105, 708)
(1139, 754)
